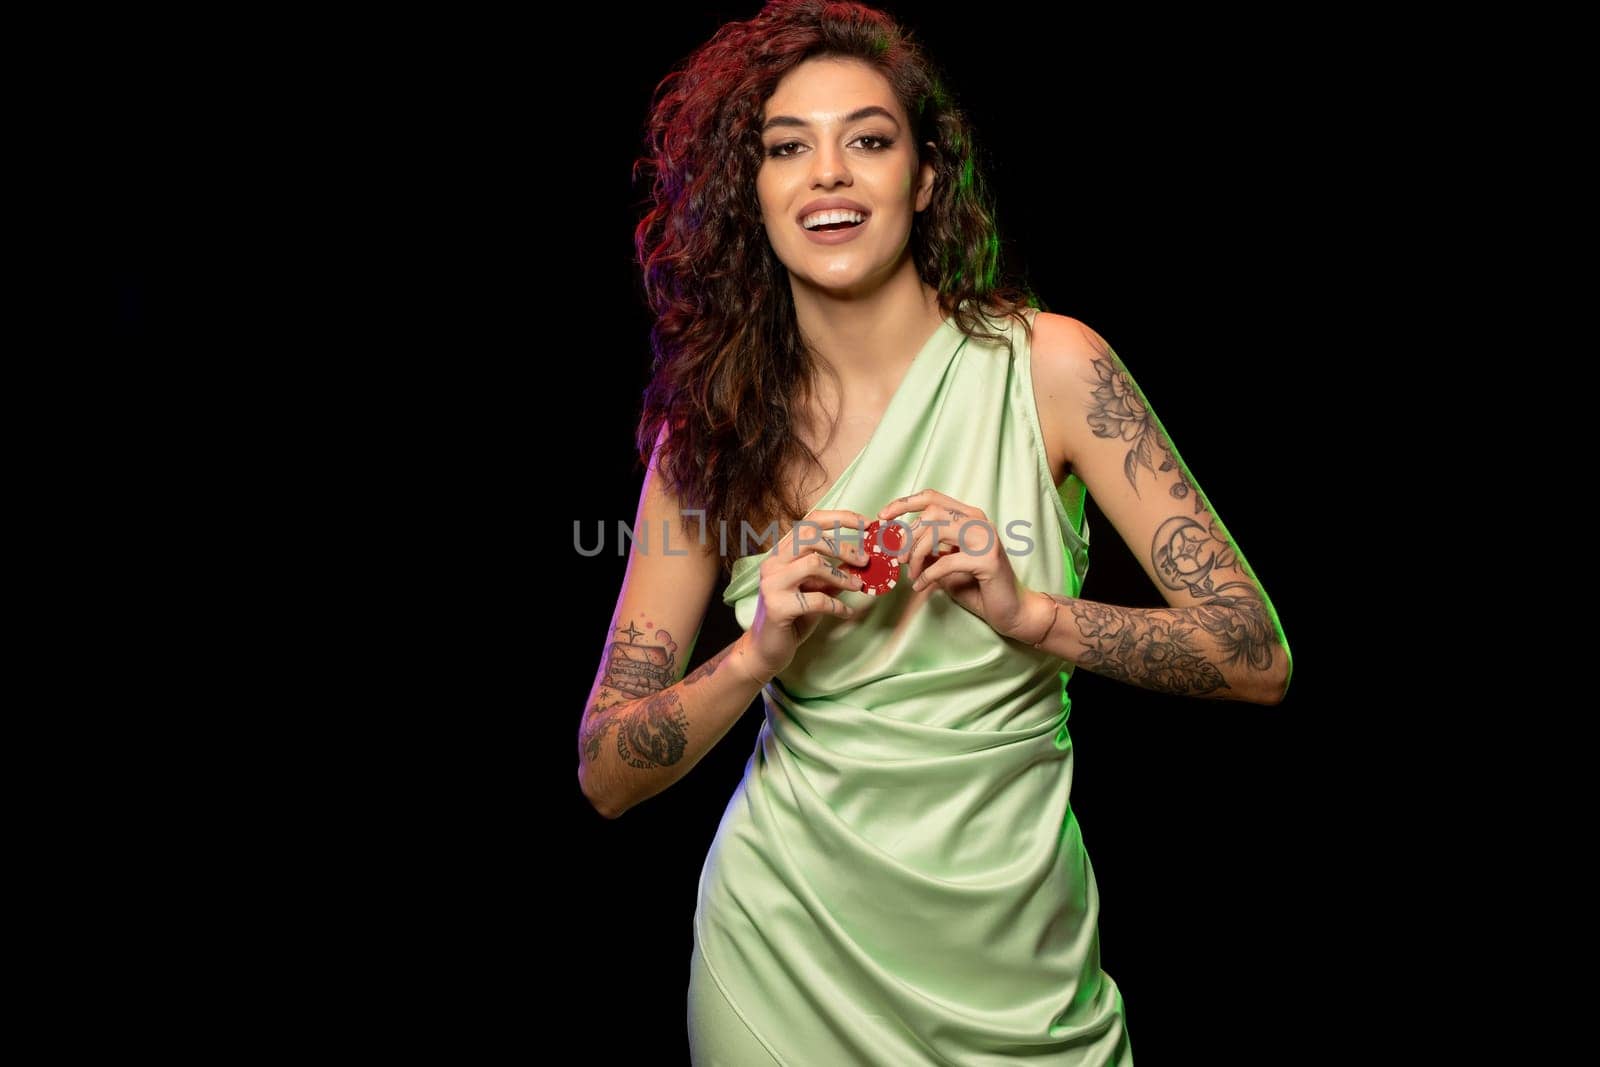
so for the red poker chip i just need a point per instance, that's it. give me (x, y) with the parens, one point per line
(883, 538)
(878, 575)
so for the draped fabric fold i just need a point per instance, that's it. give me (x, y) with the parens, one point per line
(899, 877)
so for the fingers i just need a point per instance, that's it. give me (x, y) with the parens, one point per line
(810, 573)
(927, 498)
(914, 502)
(815, 581)
(925, 541)
(817, 574)
(942, 565)
(833, 533)
(943, 531)
(940, 530)
(813, 603)
(931, 540)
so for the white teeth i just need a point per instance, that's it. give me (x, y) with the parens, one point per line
(822, 218)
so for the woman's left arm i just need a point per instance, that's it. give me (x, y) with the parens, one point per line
(1219, 637)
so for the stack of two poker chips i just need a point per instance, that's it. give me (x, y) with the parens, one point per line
(882, 569)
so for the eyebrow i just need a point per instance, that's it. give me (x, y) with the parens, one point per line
(860, 113)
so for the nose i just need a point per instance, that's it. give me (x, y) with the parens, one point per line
(828, 166)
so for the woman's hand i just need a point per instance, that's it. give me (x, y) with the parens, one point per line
(954, 546)
(799, 583)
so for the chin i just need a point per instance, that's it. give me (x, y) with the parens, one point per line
(852, 285)
(857, 272)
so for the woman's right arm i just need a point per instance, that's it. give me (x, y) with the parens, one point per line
(643, 728)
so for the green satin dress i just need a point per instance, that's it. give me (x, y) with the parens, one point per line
(899, 878)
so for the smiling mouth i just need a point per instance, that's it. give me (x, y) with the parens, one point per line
(832, 219)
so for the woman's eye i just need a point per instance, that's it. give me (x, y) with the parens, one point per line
(877, 144)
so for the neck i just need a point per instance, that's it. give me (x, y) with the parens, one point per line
(867, 341)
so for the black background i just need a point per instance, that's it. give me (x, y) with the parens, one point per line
(411, 247)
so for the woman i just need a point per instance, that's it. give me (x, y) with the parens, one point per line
(899, 877)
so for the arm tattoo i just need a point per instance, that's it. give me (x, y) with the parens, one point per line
(651, 733)
(654, 733)
(1153, 648)
(706, 669)
(1187, 558)
(1156, 647)
(595, 725)
(1117, 410)
(641, 669)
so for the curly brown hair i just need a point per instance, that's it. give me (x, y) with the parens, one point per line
(730, 368)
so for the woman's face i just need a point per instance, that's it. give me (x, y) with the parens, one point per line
(834, 131)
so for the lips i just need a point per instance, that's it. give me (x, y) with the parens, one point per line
(835, 237)
(831, 202)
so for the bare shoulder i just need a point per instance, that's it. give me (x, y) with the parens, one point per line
(1065, 345)
(1067, 359)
